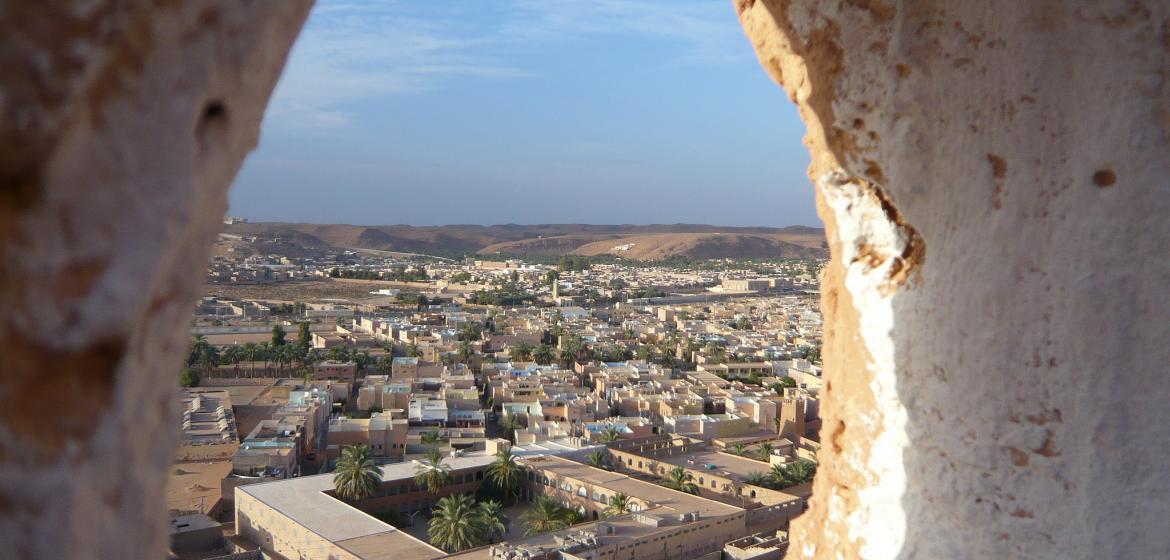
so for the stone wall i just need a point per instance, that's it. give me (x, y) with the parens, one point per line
(122, 123)
(994, 181)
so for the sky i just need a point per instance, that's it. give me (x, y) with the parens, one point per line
(528, 112)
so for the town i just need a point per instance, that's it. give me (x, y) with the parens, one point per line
(383, 406)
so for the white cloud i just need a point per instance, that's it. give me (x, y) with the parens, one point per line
(353, 51)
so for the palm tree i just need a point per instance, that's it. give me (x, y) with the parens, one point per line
(565, 357)
(264, 352)
(522, 351)
(468, 331)
(249, 352)
(777, 477)
(430, 438)
(357, 476)
(504, 473)
(757, 478)
(795, 473)
(544, 355)
(609, 435)
(599, 459)
(644, 352)
(510, 423)
(765, 452)
(618, 504)
(199, 346)
(716, 351)
(234, 355)
(680, 479)
(455, 525)
(493, 524)
(739, 449)
(546, 515)
(209, 359)
(432, 474)
(465, 351)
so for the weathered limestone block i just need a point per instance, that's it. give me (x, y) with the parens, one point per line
(994, 179)
(121, 126)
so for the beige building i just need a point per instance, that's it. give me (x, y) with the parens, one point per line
(385, 435)
(300, 517)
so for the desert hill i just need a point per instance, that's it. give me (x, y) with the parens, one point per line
(642, 242)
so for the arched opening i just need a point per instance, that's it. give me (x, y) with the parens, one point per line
(950, 128)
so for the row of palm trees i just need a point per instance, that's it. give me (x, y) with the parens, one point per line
(783, 476)
(287, 357)
(459, 522)
(763, 452)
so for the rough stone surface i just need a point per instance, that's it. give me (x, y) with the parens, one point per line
(993, 177)
(121, 126)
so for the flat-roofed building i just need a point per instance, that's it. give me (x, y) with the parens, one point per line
(300, 517)
(330, 370)
(662, 523)
(207, 417)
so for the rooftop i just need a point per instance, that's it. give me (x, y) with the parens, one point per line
(304, 501)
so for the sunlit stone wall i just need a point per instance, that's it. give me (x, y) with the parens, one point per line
(993, 177)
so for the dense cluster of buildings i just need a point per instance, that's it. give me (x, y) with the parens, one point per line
(594, 400)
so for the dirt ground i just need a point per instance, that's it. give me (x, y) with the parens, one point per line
(188, 482)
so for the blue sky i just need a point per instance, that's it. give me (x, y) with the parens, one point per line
(519, 111)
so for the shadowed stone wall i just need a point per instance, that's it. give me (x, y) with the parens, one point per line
(122, 123)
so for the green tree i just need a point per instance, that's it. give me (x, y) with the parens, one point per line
(431, 438)
(456, 524)
(765, 452)
(609, 435)
(304, 337)
(234, 355)
(599, 459)
(493, 523)
(619, 503)
(189, 378)
(510, 423)
(469, 331)
(431, 473)
(546, 515)
(717, 352)
(465, 351)
(357, 476)
(505, 473)
(644, 352)
(521, 351)
(278, 335)
(794, 473)
(544, 355)
(680, 479)
(757, 478)
(739, 449)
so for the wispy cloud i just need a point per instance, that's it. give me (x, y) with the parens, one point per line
(354, 51)
(699, 28)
